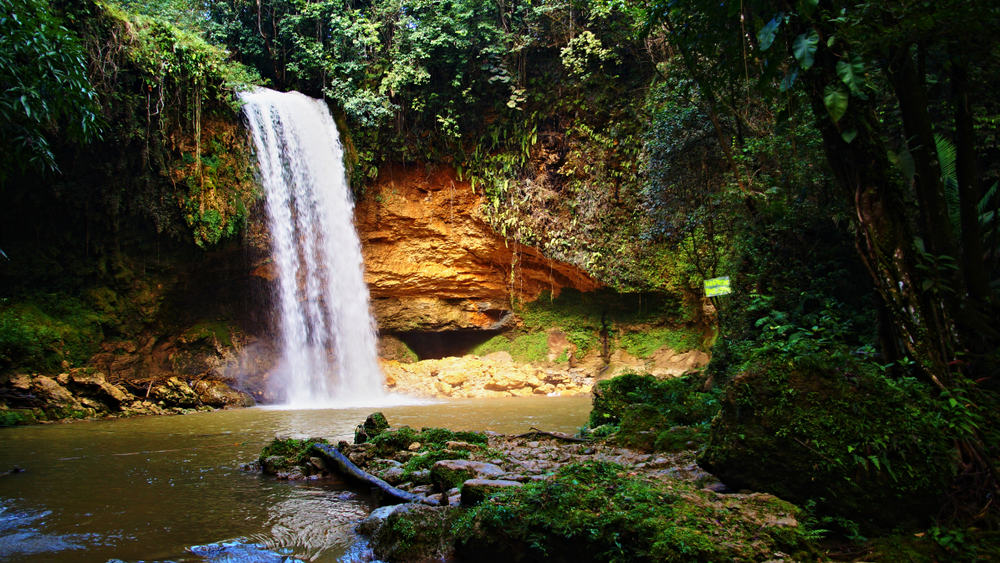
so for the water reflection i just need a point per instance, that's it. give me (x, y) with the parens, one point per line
(170, 488)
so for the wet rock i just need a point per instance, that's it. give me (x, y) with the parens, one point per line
(374, 521)
(415, 533)
(175, 392)
(453, 445)
(95, 386)
(392, 475)
(272, 465)
(422, 489)
(422, 476)
(220, 395)
(475, 491)
(48, 390)
(449, 473)
(142, 408)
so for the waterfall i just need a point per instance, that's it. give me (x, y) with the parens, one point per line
(327, 334)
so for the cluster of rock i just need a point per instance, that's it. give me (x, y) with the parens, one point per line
(508, 461)
(494, 375)
(82, 393)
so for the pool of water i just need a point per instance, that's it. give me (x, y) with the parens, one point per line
(170, 488)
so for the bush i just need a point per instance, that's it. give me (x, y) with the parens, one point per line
(844, 436)
(678, 400)
(39, 333)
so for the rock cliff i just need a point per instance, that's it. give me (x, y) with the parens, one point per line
(434, 264)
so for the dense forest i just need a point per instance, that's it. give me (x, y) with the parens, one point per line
(838, 161)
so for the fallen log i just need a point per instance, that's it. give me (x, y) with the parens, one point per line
(557, 435)
(347, 468)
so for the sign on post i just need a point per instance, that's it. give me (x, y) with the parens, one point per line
(717, 286)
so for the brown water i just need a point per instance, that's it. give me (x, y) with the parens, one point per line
(170, 488)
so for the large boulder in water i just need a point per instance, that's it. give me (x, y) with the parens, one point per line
(845, 437)
(175, 392)
(219, 395)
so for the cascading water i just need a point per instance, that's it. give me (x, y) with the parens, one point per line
(328, 338)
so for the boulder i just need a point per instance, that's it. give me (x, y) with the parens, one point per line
(219, 395)
(48, 390)
(415, 532)
(475, 491)
(95, 386)
(449, 473)
(175, 392)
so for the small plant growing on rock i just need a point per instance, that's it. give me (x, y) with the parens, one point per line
(283, 454)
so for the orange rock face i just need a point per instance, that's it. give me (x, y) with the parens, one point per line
(433, 263)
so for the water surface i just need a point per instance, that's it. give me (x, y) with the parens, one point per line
(170, 488)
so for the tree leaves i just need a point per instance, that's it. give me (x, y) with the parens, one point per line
(835, 98)
(851, 72)
(804, 48)
(765, 37)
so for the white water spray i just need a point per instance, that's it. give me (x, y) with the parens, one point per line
(328, 338)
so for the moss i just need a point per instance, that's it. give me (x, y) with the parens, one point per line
(859, 445)
(429, 458)
(394, 440)
(523, 347)
(294, 452)
(595, 511)
(416, 533)
(582, 317)
(43, 330)
(643, 344)
(15, 417)
(220, 185)
(210, 331)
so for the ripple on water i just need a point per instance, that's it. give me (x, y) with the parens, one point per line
(20, 536)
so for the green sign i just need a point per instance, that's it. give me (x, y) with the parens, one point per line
(717, 286)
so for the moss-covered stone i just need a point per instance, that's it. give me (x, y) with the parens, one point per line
(856, 443)
(416, 533)
(595, 511)
(285, 454)
(393, 440)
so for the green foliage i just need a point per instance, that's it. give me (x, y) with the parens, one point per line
(427, 459)
(594, 511)
(583, 316)
(46, 94)
(393, 440)
(678, 399)
(40, 333)
(838, 432)
(294, 451)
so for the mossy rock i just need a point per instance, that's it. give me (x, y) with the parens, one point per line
(595, 511)
(451, 473)
(284, 454)
(16, 417)
(416, 533)
(393, 440)
(856, 443)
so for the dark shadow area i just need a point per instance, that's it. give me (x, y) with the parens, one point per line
(436, 345)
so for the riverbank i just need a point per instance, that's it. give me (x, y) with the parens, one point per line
(576, 496)
(86, 393)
